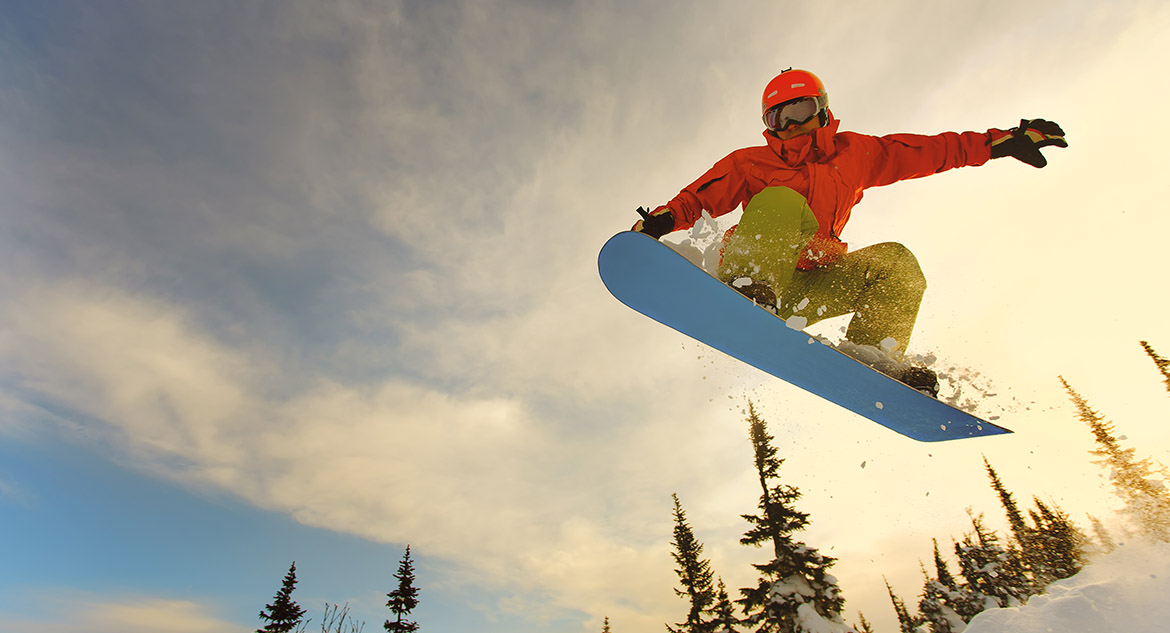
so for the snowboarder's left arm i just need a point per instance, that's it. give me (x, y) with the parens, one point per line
(904, 156)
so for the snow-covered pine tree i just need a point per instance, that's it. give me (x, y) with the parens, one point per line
(694, 575)
(965, 602)
(795, 592)
(933, 608)
(1136, 481)
(945, 606)
(907, 623)
(404, 599)
(723, 618)
(1051, 548)
(283, 615)
(990, 570)
(1163, 364)
(1058, 540)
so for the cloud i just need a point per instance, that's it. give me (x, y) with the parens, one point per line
(12, 492)
(121, 614)
(341, 261)
(474, 479)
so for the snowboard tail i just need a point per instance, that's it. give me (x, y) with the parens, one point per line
(649, 277)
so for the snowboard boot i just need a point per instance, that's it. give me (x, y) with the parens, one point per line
(920, 378)
(759, 292)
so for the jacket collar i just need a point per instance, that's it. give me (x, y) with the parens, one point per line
(807, 147)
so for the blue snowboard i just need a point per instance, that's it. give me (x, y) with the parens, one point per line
(649, 277)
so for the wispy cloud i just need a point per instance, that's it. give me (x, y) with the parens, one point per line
(476, 479)
(11, 492)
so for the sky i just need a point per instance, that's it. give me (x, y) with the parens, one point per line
(293, 281)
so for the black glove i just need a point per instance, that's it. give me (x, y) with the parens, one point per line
(1024, 142)
(655, 223)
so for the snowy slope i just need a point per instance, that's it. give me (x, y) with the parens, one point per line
(1126, 591)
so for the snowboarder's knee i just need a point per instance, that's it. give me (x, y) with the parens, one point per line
(899, 260)
(777, 200)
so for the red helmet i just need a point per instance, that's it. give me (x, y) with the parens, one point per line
(794, 84)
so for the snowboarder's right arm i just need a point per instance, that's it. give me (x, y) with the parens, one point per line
(655, 223)
(720, 190)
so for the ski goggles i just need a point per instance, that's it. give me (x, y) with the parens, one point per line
(795, 112)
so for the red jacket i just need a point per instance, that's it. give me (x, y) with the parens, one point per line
(830, 169)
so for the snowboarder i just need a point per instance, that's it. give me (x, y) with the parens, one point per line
(798, 190)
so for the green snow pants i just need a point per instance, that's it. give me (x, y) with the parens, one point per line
(881, 285)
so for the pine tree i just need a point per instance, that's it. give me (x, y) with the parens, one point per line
(1163, 364)
(605, 625)
(1147, 502)
(906, 623)
(1014, 516)
(1058, 541)
(992, 573)
(404, 599)
(942, 572)
(795, 586)
(283, 615)
(863, 626)
(723, 613)
(932, 606)
(965, 602)
(694, 574)
(944, 605)
(1025, 547)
